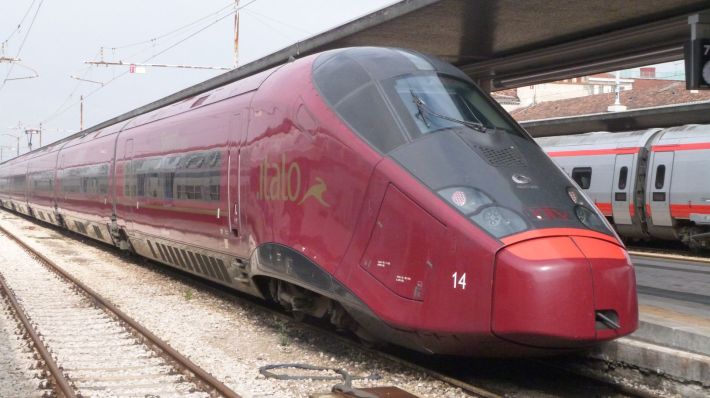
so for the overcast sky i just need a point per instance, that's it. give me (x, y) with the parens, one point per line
(65, 33)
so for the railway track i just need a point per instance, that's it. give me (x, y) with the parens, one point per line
(89, 346)
(487, 378)
(480, 378)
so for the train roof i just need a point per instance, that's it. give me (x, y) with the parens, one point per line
(691, 133)
(599, 140)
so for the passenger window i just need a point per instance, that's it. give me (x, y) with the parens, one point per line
(622, 177)
(582, 176)
(660, 176)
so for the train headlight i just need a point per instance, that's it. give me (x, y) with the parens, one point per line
(499, 221)
(589, 218)
(466, 200)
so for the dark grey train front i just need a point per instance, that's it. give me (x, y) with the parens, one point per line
(430, 118)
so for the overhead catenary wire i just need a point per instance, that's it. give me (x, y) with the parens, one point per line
(266, 23)
(171, 46)
(67, 104)
(22, 21)
(85, 71)
(176, 30)
(154, 41)
(263, 16)
(22, 44)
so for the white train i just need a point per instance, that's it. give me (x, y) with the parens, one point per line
(651, 183)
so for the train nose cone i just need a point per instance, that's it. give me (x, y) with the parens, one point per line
(563, 292)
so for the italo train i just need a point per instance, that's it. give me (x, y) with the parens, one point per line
(650, 184)
(376, 188)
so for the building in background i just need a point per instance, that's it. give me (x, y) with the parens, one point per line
(645, 93)
(639, 88)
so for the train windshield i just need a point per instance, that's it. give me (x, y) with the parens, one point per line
(428, 103)
(392, 103)
(427, 116)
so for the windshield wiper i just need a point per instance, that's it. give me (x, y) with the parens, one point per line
(423, 108)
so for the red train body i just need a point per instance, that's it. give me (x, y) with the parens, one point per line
(375, 187)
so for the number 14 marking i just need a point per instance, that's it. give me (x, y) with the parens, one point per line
(459, 282)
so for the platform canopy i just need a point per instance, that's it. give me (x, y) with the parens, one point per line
(511, 43)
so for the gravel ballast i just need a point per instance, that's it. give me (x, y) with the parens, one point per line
(220, 333)
(18, 376)
(96, 353)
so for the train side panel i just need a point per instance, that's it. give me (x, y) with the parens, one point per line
(679, 169)
(42, 185)
(173, 197)
(615, 162)
(305, 175)
(83, 186)
(17, 181)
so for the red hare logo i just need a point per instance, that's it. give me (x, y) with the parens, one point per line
(282, 182)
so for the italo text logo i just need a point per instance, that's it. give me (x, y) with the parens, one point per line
(283, 182)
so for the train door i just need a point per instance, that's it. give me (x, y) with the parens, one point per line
(659, 187)
(234, 182)
(234, 192)
(129, 184)
(622, 195)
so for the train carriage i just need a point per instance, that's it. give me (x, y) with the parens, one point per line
(83, 186)
(377, 188)
(607, 168)
(678, 190)
(660, 175)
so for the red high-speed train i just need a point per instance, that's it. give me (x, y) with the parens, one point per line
(378, 188)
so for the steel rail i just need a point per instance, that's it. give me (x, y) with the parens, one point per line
(199, 373)
(59, 380)
(451, 380)
(469, 388)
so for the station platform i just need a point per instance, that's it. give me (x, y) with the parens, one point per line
(671, 348)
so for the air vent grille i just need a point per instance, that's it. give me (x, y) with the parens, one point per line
(190, 261)
(80, 227)
(501, 157)
(97, 232)
(152, 251)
